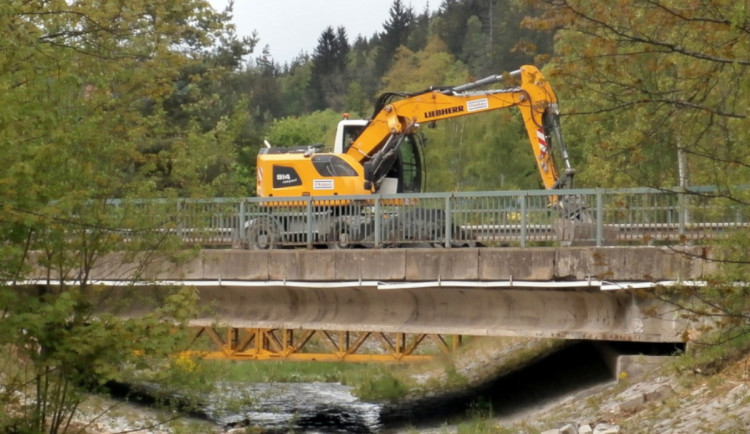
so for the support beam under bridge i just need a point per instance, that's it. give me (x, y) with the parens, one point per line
(583, 312)
(233, 343)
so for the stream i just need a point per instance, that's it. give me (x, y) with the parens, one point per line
(293, 407)
(329, 408)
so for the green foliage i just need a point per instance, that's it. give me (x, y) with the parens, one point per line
(395, 34)
(413, 72)
(483, 152)
(328, 66)
(380, 386)
(656, 94)
(57, 350)
(98, 101)
(294, 90)
(708, 358)
(643, 80)
(488, 36)
(280, 372)
(314, 128)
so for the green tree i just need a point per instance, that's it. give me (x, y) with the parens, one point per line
(294, 86)
(363, 72)
(645, 81)
(328, 67)
(315, 128)
(655, 94)
(396, 31)
(474, 52)
(432, 66)
(82, 108)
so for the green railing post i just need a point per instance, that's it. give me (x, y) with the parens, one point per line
(524, 219)
(309, 223)
(683, 218)
(378, 221)
(241, 223)
(180, 220)
(448, 220)
(599, 217)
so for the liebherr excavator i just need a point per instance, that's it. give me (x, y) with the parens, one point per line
(384, 155)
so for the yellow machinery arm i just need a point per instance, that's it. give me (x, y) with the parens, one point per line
(534, 97)
(367, 165)
(383, 156)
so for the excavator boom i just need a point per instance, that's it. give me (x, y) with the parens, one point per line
(534, 98)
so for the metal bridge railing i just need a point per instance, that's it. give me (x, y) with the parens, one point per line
(522, 218)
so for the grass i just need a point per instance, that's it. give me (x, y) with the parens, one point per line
(370, 381)
(389, 382)
(287, 372)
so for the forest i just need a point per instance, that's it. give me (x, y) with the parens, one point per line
(120, 100)
(142, 101)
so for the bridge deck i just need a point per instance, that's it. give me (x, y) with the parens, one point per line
(268, 304)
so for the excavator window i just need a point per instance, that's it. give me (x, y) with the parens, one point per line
(332, 165)
(411, 163)
(351, 133)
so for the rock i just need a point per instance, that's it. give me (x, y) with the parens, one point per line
(585, 429)
(659, 393)
(636, 398)
(569, 428)
(632, 404)
(605, 428)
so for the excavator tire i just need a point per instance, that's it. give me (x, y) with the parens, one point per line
(263, 233)
(341, 237)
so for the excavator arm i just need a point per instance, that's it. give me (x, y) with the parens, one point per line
(534, 98)
(385, 157)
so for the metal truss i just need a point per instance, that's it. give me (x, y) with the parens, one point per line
(232, 343)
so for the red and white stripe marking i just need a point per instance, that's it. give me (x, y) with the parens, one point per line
(542, 143)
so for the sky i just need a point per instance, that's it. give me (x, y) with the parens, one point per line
(290, 27)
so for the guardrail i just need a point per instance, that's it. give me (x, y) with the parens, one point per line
(522, 218)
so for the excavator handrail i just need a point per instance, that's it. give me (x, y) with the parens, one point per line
(492, 79)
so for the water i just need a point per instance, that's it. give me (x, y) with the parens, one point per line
(293, 407)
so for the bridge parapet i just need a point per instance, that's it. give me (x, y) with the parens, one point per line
(627, 264)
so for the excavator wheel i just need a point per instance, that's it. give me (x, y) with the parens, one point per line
(341, 237)
(347, 232)
(262, 234)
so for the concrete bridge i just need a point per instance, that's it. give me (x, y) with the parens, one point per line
(268, 304)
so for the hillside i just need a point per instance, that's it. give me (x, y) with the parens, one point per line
(653, 394)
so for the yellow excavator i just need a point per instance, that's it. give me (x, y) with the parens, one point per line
(383, 155)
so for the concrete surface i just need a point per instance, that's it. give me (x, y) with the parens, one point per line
(598, 315)
(259, 297)
(636, 264)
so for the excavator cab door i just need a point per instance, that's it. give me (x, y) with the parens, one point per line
(406, 173)
(411, 164)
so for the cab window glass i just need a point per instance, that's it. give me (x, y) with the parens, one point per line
(332, 165)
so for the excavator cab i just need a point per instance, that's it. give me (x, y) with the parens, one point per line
(401, 171)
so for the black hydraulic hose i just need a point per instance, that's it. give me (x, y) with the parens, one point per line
(385, 98)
